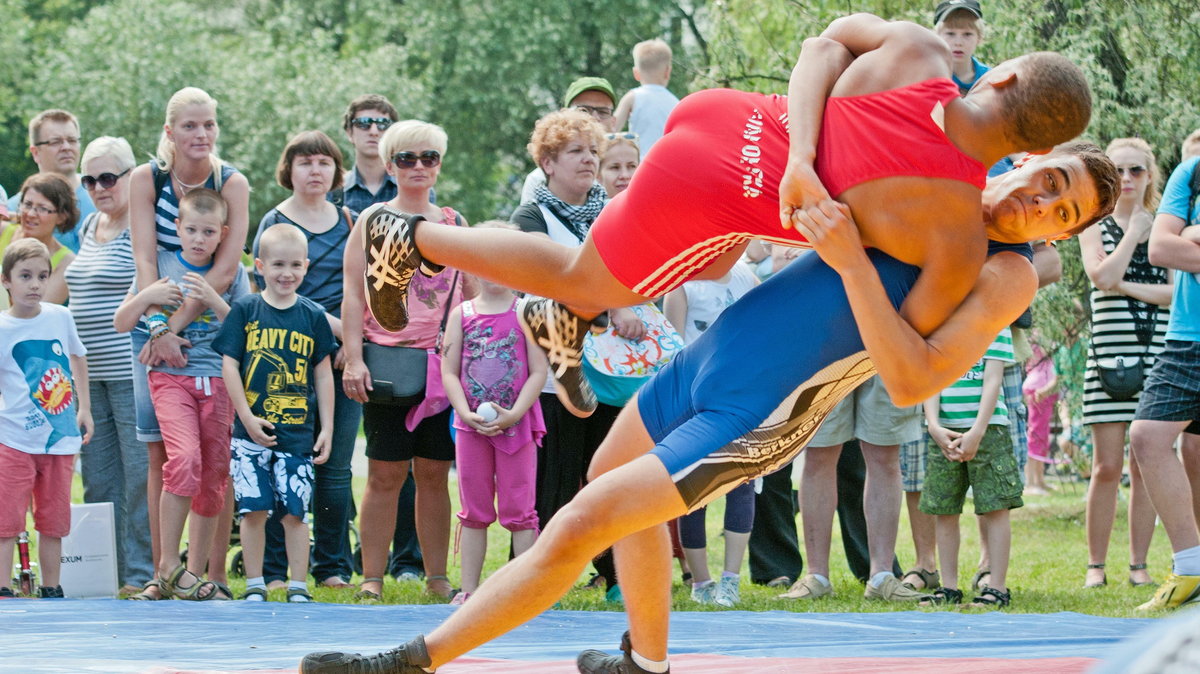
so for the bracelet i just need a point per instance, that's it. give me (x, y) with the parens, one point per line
(159, 330)
(157, 317)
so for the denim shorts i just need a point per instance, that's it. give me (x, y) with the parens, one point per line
(144, 416)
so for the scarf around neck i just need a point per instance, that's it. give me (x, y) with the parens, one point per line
(578, 219)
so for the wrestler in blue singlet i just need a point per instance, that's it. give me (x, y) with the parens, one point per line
(714, 412)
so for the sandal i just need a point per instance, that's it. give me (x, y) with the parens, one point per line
(298, 595)
(260, 592)
(943, 595)
(977, 583)
(226, 593)
(153, 590)
(990, 597)
(1103, 577)
(1133, 583)
(929, 579)
(336, 583)
(200, 590)
(447, 595)
(368, 597)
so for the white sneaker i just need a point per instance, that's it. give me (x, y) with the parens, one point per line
(704, 594)
(728, 593)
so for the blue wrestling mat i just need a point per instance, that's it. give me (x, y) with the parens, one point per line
(41, 636)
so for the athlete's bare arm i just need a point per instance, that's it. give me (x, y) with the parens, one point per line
(855, 55)
(911, 367)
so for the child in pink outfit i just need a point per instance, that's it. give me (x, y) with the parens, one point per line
(1041, 395)
(488, 361)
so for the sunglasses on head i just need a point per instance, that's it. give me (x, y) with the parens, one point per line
(428, 159)
(105, 180)
(622, 135)
(364, 123)
(1134, 171)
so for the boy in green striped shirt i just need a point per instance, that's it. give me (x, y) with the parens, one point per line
(970, 448)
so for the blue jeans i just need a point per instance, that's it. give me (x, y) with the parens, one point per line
(333, 502)
(114, 470)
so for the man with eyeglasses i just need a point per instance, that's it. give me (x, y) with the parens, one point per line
(593, 95)
(54, 144)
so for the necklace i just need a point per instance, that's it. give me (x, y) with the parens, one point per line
(186, 186)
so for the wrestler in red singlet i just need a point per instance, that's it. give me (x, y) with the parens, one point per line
(712, 181)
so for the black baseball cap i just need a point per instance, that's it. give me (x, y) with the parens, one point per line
(948, 6)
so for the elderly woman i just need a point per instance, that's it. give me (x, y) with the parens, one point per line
(47, 204)
(114, 462)
(1130, 307)
(413, 153)
(311, 166)
(186, 158)
(566, 145)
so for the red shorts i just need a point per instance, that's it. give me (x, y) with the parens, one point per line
(44, 477)
(195, 417)
(711, 183)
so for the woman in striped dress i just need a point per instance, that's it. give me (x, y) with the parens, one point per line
(1130, 302)
(114, 463)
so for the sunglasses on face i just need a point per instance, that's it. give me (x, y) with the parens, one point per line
(104, 180)
(625, 135)
(1134, 171)
(407, 160)
(364, 123)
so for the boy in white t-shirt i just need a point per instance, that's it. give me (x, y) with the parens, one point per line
(647, 107)
(970, 448)
(46, 415)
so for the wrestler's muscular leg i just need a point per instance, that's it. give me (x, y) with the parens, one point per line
(643, 559)
(601, 514)
(576, 277)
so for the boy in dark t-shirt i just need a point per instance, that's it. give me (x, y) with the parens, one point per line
(276, 350)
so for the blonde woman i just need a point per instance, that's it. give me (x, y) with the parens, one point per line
(412, 152)
(186, 159)
(1130, 307)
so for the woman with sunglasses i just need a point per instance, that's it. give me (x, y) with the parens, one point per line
(1130, 307)
(311, 167)
(413, 154)
(114, 463)
(47, 204)
(186, 158)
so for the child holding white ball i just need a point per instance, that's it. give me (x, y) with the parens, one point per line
(493, 375)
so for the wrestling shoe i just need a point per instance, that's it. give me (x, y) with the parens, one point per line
(560, 333)
(410, 658)
(599, 662)
(1174, 592)
(392, 259)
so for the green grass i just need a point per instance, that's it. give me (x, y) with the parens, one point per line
(1046, 574)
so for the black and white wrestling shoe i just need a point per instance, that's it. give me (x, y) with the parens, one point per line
(560, 333)
(599, 662)
(392, 259)
(411, 658)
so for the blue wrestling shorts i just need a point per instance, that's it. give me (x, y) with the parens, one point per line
(715, 412)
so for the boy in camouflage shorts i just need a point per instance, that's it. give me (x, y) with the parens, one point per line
(970, 448)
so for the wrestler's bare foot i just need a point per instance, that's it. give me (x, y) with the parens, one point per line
(392, 258)
(560, 333)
